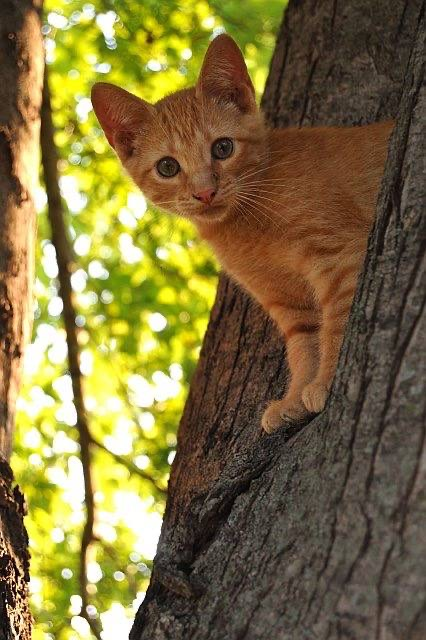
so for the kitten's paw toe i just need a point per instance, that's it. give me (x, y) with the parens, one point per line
(271, 419)
(281, 414)
(314, 396)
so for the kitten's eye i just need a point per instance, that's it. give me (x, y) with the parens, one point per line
(222, 148)
(168, 167)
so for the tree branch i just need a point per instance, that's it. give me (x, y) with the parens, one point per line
(129, 465)
(65, 268)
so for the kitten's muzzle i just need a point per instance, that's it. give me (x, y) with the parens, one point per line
(205, 196)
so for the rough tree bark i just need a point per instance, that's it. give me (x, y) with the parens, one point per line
(21, 78)
(317, 534)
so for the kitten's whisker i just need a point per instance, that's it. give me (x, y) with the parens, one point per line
(262, 191)
(257, 170)
(291, 191)
(249, 174)
(258, 207)
(288, 186)
(273, 192)
(255, 199)
(245, 203)
(266, 180)
(240, 208)
(260, 195)
(248, 213)
(164, 202)
(263, 207)
(161, 205)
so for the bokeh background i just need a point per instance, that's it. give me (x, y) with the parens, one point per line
(143, 286)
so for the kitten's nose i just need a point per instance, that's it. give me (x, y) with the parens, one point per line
(205, 196)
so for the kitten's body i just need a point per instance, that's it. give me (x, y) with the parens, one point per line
(291, 235)
(302, 255)
(290, 212)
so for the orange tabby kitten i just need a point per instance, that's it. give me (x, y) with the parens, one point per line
(287, 211)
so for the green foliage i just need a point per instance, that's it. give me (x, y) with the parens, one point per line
(143, 290)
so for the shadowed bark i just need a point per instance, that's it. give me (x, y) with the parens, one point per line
(21, 77)
(317, 534)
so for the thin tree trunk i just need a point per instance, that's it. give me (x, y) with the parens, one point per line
(317, 534)
(65, 262)
(21, 77)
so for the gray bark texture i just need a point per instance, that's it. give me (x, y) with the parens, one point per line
(21, 78)
(318, 533)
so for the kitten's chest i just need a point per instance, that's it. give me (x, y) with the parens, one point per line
(260, 267)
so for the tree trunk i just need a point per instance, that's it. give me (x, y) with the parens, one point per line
(21, 77)
(316, 534)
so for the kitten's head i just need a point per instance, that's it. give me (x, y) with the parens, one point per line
(192, 152)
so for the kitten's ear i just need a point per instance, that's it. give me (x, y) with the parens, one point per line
(224, 75)
(121, 115)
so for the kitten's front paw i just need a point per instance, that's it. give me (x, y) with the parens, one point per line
(314, 396)
(282, 413)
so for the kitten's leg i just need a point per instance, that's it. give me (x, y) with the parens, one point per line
(300, 329)
(336, 306)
